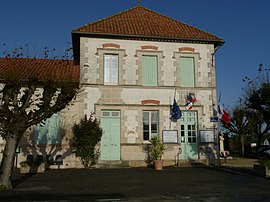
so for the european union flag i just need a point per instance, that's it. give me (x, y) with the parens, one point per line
(176, 112)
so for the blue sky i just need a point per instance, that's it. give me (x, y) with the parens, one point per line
(243, 24)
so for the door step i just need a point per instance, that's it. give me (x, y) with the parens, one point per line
(191, 163)
(112, 164)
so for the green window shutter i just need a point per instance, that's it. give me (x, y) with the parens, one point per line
(149, 71)
(187, 72)
(48, 132)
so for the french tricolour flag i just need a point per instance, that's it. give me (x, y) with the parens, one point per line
(223, 115)
(191, 99)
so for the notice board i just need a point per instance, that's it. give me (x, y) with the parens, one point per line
(170, 136)
(207, 136)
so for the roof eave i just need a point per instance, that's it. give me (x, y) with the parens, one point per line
(150, 38)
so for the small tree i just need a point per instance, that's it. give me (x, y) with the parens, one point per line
(238, 125)
(257, 100)
(87, 134)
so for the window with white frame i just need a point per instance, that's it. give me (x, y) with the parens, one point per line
(150, 124)
(111, 69)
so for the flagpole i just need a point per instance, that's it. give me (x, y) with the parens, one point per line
(219, 98)
(171, 108)
(170, 127)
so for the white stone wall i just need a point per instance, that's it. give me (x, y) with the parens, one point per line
(89, 58)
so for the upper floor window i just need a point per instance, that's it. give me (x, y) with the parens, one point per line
(149, 70)
(187, 72)
(150, 124)
(111, 69)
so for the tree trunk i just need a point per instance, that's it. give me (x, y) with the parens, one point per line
(8, 160)
(242, 139)
(259, 140)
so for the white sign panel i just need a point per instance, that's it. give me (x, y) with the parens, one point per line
(170, 136)
(207, 136)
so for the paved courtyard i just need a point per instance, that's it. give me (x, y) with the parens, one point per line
(140, 184)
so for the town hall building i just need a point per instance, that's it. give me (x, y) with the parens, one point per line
(132, 66)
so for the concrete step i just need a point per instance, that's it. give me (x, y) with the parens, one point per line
(112, 164)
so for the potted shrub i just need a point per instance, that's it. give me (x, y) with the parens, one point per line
(156, 151)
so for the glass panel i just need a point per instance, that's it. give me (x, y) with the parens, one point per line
(106, 68)
(145, 116)
(154, 116)
(105, 113)
(150, 124)
(115, 113)
(146, 126)
(114, 69)
(111, 69)
(145, 135)
(182, 133)
(154, 127)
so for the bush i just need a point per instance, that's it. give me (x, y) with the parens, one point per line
(87, 134)
(2, 188)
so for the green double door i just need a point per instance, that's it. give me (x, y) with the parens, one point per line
(189, 136)
(110, 140)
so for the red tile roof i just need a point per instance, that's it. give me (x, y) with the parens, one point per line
(142, 22)
(41, 69)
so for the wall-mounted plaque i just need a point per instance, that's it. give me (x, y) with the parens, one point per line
(170, 136)
(207, 136)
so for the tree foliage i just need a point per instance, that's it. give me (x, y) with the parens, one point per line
(257, 101)
(252, 114)
(87, 134)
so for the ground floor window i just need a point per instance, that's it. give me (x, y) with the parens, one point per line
(150, 124)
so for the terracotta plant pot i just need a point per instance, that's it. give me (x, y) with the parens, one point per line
(158, 164)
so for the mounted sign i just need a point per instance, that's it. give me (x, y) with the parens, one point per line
(213, 119)
(207, 136)
(170, 136)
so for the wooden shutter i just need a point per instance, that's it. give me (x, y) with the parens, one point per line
(187, 72)
(149, 70)
(48, 132)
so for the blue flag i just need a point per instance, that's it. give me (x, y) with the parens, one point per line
(176, 112)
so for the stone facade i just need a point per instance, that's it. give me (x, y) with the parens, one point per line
(131, 98)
